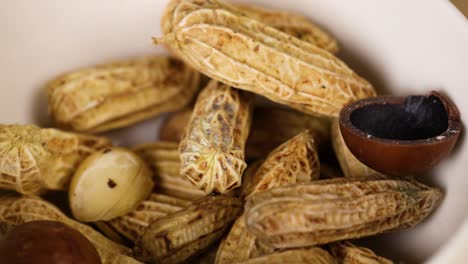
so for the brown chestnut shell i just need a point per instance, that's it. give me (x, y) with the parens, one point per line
(411, 155)
(47, 242)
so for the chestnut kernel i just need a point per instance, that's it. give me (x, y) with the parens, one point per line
(47, 242)
(401, 136)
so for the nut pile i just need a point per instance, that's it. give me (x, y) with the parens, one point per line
(230, 181)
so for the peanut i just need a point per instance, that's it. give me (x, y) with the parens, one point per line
(324, 211)
(212, 151)
(248, 54)
(33, 160)
(119, 94)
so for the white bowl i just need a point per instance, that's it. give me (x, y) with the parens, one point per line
(402, 47)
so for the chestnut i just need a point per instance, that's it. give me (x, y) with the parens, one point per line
(401, 136)
(47, 242)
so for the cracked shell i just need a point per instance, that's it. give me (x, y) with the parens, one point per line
(186, 233)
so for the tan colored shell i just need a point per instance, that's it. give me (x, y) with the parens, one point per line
(33, 159)
(261, 141)
(173, 128)
(163, 158)
(349, 164)
(133, 224)
(212, 151)
(239, 245)
(324, 211)
(109, 232)
(181, 235)
(293, 24)
(348, 253)
(295, 161)
(250, 55)
(119, 94)
(16, 210)
(313, 255)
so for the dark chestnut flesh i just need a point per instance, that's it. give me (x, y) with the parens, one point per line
(47, 242)
(401, 136)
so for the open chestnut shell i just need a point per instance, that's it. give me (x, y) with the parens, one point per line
(401, 136)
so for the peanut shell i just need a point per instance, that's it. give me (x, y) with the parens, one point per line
(245, 53)
(181, 235)
(293, 24)
(325, 211)
(261, 141)
(348, 253)
(313, 255)
(295, 161)
(163, 158)
(33, 159)
(212, 151)
(119, 94)
(133, 224)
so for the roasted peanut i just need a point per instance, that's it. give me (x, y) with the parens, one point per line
(248, 54)
(33, 159)
(212, 151)
(181, 235)
(324, 211)
(119, 94)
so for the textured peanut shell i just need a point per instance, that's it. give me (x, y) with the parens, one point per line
(349, 164)
(133, 224)
(240, 245)
(119, 94)
(295, 161)
(212, 151)
(293, 24)
(348, 253)
(286, 123)
(324, 211)
(313, 255)
(33, 159)
(250, 55)
(16, 210)
(181, 235)
(163, 158)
